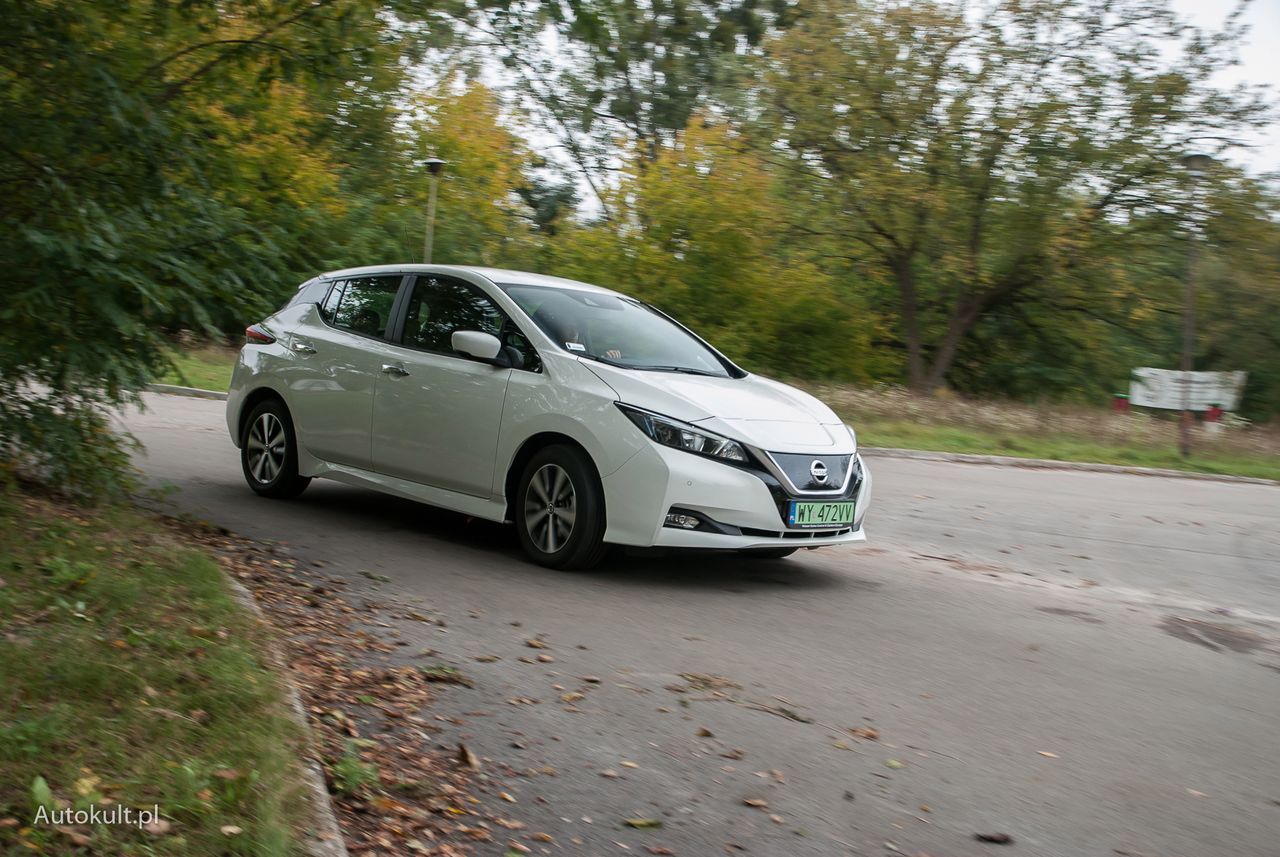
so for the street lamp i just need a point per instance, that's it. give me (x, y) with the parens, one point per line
(1196, 166)
(434, 166)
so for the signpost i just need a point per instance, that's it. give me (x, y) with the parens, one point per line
(1194, 391)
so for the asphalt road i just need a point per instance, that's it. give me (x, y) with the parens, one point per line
(1087, 662)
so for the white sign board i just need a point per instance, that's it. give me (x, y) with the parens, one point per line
(1164, 388)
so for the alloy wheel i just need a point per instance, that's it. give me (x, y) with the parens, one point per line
(550, 508)
(266, 448)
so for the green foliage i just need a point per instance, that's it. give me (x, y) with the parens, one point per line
(112, 689)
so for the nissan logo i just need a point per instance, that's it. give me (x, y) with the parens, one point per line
(818, 471)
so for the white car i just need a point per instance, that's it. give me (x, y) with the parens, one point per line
(584, 416)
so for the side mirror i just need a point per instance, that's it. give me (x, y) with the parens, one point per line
(474, 343)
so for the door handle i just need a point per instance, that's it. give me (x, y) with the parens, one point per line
(302, 347)
(394, 369)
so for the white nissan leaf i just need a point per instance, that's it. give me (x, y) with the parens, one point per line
(585, 417)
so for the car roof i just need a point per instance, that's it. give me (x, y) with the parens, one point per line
(500, 276)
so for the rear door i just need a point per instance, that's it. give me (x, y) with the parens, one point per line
(436, 416)
(337, 353)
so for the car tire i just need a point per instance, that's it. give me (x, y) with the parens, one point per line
(269, 452)
(771, 553)
(559, 509)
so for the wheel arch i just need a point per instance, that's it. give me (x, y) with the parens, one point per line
(531, 447)
(251, 401)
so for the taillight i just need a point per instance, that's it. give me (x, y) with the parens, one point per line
(257, 335)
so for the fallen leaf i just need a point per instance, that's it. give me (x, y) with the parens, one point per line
(1048, 755)
(76, 837)
(866, 732)
(642, 823)
(468, 758)
(230, 830)
(159, 827)
(776, 819)
(572, 696)
(735, 753)
(778, 776)
(546, 659)
(535, 644)
(630, 765)
(705, 733)
(659, 849)
(542, 837)
(609, 773)
(756, 802)
(894, 763)
(487, 659)
(507, 797)
(994, 838)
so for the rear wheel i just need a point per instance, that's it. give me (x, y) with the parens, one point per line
(269, 452)
(560, 514)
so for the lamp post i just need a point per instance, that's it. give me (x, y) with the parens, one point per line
(434, 166)
(1196, 166)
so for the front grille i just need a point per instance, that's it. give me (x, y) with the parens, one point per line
(782, 496)
(799, 469)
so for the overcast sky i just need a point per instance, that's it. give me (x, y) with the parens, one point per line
(1260, 63)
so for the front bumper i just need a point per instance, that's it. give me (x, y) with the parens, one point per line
(742, 507)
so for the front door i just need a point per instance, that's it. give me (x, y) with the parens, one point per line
(436, 413)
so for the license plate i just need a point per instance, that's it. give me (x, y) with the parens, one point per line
(819, 514)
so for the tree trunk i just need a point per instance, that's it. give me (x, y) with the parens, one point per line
(906, 279)
(966, 314)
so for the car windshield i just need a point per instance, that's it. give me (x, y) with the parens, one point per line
(616, 330)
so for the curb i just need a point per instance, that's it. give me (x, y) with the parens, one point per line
(325, 840)
(926, 455)
(193, 392)
(1052, 464)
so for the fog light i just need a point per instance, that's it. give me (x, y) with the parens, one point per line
(684, 522)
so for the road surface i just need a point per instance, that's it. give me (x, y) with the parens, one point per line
(1089, 663)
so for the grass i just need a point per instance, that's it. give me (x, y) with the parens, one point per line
(132, 679)
(891, 416)
(206, 367)
(1060, 447)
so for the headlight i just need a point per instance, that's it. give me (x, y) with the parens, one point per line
(679, 435)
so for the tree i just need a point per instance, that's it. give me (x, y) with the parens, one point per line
(620, 70)
(163, 166)
(696, 234)
(979, 162)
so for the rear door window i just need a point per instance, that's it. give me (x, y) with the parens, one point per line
(362, 304)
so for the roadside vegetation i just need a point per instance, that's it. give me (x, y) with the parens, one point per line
(132, 679)
(205, 367)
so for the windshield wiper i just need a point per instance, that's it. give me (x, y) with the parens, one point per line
(684, 370)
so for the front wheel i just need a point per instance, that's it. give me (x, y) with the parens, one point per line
(269, 452)
(560, 515)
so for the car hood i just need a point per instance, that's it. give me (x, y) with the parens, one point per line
(759, 411)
